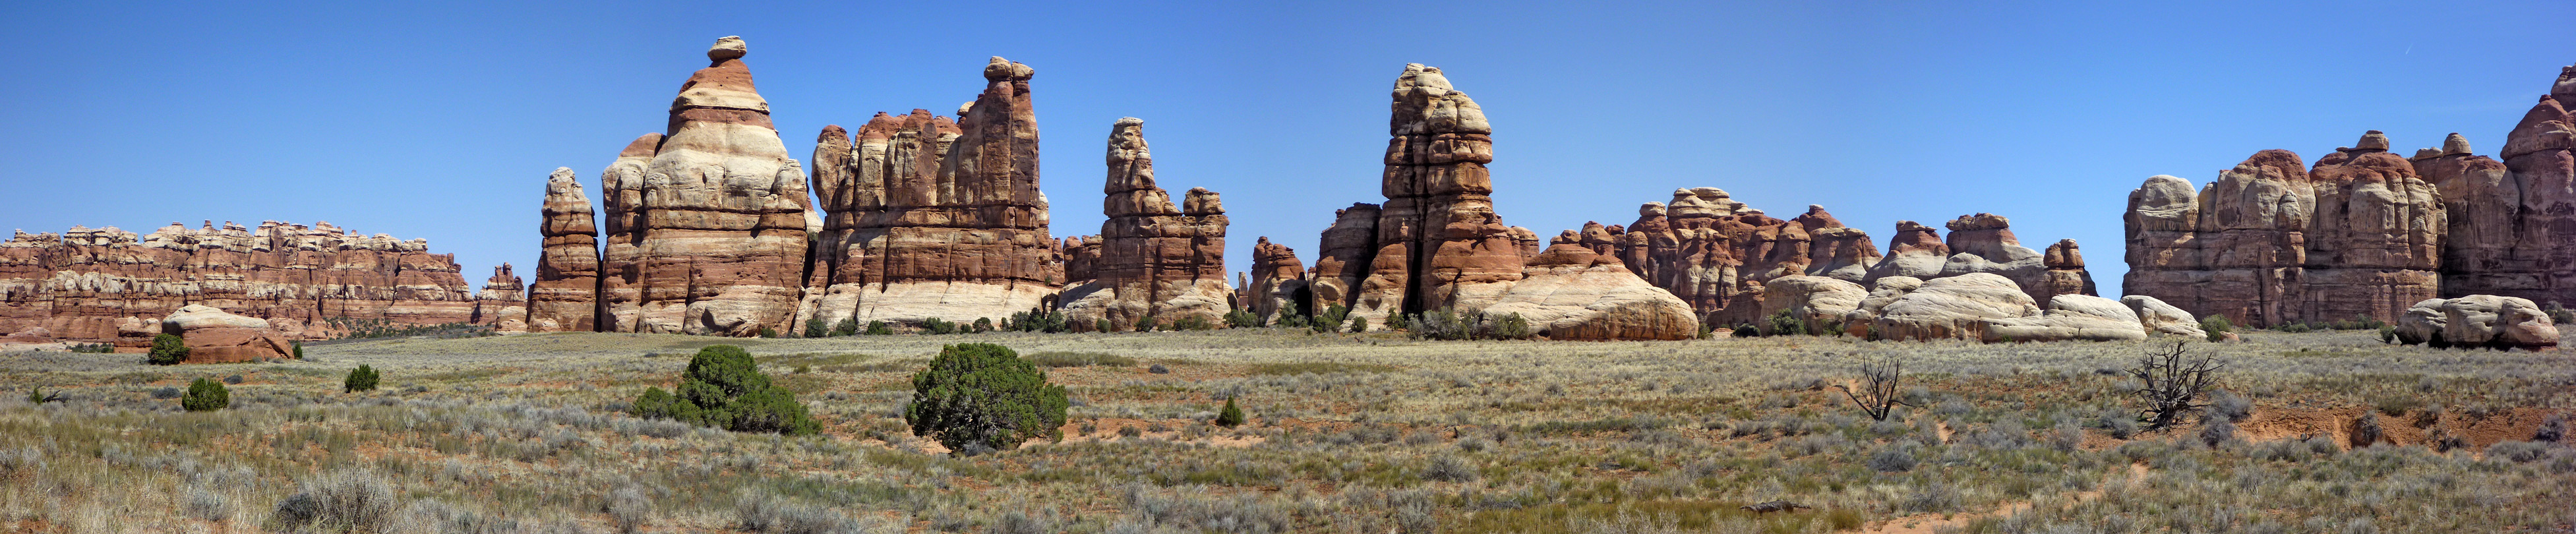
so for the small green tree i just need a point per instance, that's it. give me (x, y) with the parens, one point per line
(724, 388)
(362, 378)
(167, 349)
(1241, 318)
(815, 327)
(1145, 324)
(1359, 325)
(206, 395)
(983, 324)
(847, 327)
(1397, 321)
(1785, 323)
(1331, 320)
(1231, 416)
(299, 350)
(1512, 326)
(880, 328)
(1106, 325)
(984, 394)
(2216, 327)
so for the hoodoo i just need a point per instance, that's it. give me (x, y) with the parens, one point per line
(925, 218)
(565, 297)
(1158, 263)
(718, 223)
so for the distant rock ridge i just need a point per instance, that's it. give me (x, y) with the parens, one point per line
(106, 284)
(2365, 233)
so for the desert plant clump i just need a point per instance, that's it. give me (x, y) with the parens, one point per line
(2223, 403)
(985, 395)
(1146, 324)
(879, 328)
(2216, 327)
(2216, 429)
(362, 378)
(1192, 323)
(1037, 319)
(724, 388)
(1894, 459)
(1398, 321)
(1230, 416)
(982, 325)
(847, 327)
(2552, 430)
(205, 395)
(937, 326)
(1359, 325)
(37, 395)
(1104, 325)
(815, 327)
(1746, 330)
(628, 509)
(167, 349)
(1785, 323)
(2173, 384)
(299, 350)
(340, 501)
(1512, 326)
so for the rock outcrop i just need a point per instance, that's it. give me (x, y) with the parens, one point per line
(1817, 302)
(503, 302)
(927, 218)
(2478, 321)
(2157, 317)
(1984, 243)
(2071, 318)
(2375, 246)
(216, 336)
(1717, 253)
(1158, 263)
(1957, 307)
(1569, 292)
(2364, 232)
(110, 285)
(565, 297)
(719, 221)
(1278, 281)
(1437, 244)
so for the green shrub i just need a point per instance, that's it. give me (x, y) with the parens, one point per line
(983, 324)
(1146, 324)
(2216, 327)
(110, 348)
(768, 333)
(938, 326)
(724, 388)
(847, 327)
(299, 350)
(879, 328)
(1290, 319)
(1105, 325)
(1746, 330)
(1037, 320)
(1397, 321)
(1231, 416)
(1359, 325)
(206, 395)
(815, 327)
(1785, 323)
(1512, 326)
(1192, 323)
(362, 378)
(167, 349)
(2388, 334)
(984, 395)
(1331, 320)
(1242, 319)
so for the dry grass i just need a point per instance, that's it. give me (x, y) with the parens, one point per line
(1348, 433)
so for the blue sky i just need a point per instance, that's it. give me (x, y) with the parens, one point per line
(441, 120)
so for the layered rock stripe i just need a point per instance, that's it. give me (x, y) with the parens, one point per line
(1156, 262)
(107, 284)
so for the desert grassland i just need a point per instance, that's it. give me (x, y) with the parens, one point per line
(1349, 433)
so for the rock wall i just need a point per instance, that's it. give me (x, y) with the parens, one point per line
(2519, 230)
(112, 285)
(2237, 247)
(928, 218)
(1718, 254)
(565, 297)
(720, 222)
(1158, 262)
(1348, 250)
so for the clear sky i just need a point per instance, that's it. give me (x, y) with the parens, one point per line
(440, 120)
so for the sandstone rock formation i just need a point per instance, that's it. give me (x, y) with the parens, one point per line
(622, 217)
(1158, 262)
(215, 336)
(565, 297)
(1569, 292)
(1436, 244)
(1956, 307)
(1349, 247)
(1818, 302)
(1278, 281)
(110, 285)
(2066, 274)
(1717, 253)
(2375, 246)
(1984, 243)
(718, 224)
(503, 302)
(1439, 242)
(927, 218)
(2071, 318)
(2157, 317)
(2478, 321)
(2364, 233)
